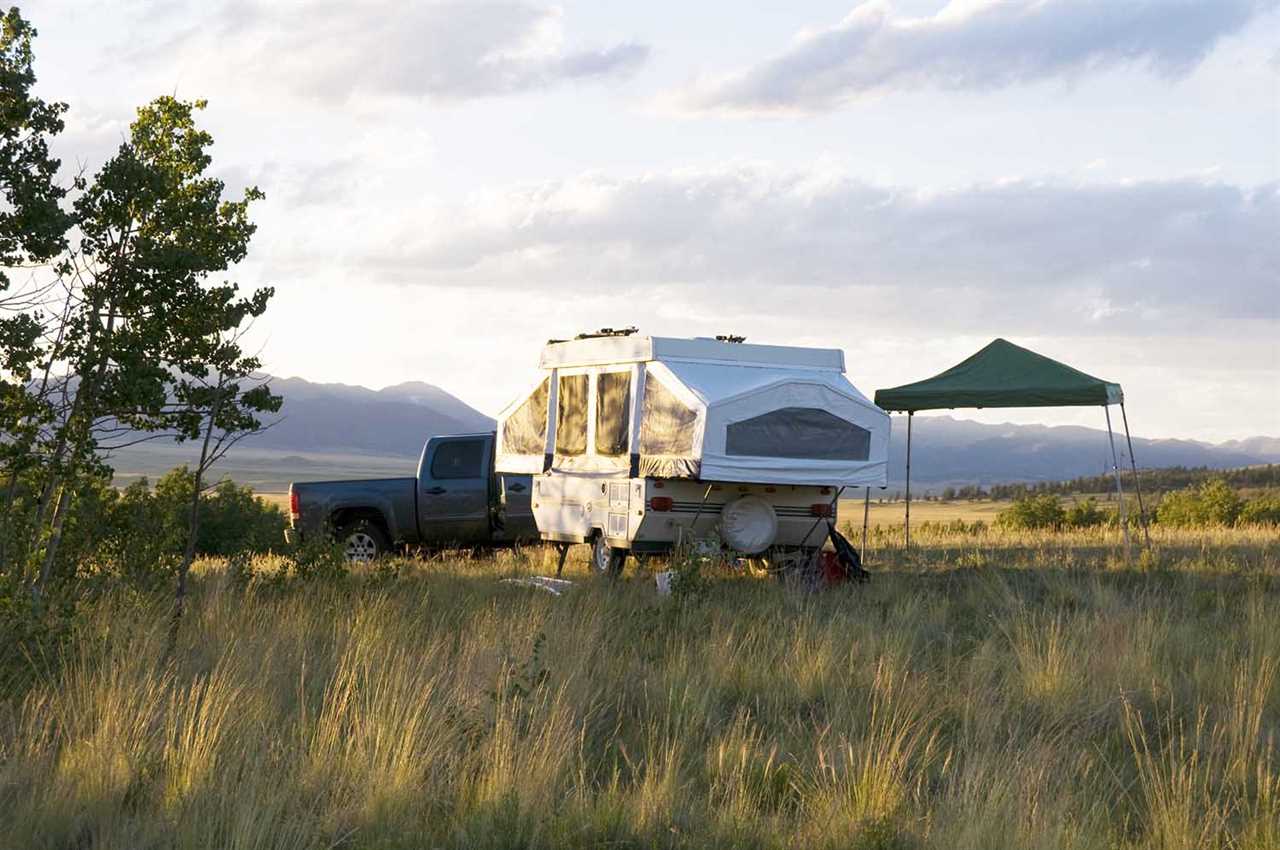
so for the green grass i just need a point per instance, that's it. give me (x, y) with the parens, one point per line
(992, 691)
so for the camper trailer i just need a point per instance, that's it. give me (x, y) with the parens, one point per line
(637, 443)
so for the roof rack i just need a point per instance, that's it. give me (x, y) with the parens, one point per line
(730, 338)
(604, 332)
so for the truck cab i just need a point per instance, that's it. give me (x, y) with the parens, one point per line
(455, 500)
(460, 500)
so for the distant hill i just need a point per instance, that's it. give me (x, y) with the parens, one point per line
(339, 419)
(945, 450)
(1263, 447)
(344, 418)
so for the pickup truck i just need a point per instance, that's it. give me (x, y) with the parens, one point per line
(456, 500)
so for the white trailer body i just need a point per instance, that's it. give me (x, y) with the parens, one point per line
(638, 441)
(623, 512)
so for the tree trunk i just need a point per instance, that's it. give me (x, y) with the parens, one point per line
(55, 538)
(19, 556)
(188, 556)
(42, 507)
(193, 529)
(76, 436)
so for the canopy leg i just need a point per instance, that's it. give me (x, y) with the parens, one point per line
(866, 512)
(1115, 468)
(907, 525)
(1137, 482)
(563, 550)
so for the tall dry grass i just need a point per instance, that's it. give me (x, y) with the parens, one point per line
(1002, 691)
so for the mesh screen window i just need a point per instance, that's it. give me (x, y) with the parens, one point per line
(525, 431)
(571, 416)
(804, 433)
(667, 425)
(613, 412)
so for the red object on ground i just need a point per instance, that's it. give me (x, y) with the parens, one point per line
(833, 572)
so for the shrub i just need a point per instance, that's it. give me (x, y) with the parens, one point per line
(142, 530)
(1085, 514)
(1212, 503)
(1043, 511)
(1263, 510)
(139, 540)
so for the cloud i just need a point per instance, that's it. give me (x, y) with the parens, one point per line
(974, 45)
(1149, 255)
(337, 51)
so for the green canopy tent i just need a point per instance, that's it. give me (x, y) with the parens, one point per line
(1006, 375)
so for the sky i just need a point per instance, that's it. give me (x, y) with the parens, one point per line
(450, 184)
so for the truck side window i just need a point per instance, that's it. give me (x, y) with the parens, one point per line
(571, 415)
(458, 459)
(613, 412)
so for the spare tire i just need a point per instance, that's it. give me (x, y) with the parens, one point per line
(748, 524)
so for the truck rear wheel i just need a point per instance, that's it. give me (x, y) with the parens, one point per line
(362, 542)
(605, 559)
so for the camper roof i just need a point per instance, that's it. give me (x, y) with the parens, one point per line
(599, 351)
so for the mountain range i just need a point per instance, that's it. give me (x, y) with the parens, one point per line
(946, 450)
(339, 419)
(353, 419)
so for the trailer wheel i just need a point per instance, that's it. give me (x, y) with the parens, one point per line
(362, 541)
(607, 560)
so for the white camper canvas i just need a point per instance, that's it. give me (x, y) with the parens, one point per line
(696, 409)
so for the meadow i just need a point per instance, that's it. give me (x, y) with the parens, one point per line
(991, 690)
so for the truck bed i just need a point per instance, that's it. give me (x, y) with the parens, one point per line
(392, 497)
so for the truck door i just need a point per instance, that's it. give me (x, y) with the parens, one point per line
(515, 492)
(453, 491)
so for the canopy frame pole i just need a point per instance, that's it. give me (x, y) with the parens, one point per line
(907, 524)
(1115, 468)
(866, 512)
(1137, 481)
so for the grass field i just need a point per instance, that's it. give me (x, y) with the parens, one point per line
(990, 691)
(893, 513)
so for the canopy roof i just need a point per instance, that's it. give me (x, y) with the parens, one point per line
(1002, 375)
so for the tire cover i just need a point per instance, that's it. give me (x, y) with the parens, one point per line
(748, 524)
